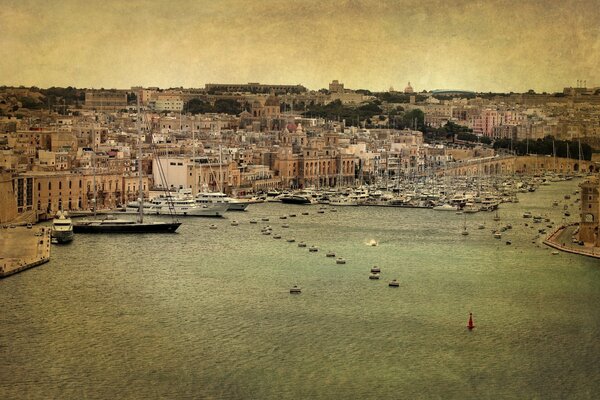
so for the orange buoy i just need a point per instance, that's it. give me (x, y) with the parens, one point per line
(470, 325)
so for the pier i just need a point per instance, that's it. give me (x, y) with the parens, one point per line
(561, 239)
(22, 248)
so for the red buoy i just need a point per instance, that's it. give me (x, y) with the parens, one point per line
(470, 325)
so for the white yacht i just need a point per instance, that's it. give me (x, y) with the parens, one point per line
(204, 198)
(62, 228)
(179, 205)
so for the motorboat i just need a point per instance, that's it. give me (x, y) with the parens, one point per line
(375, 270)
(62, 228)
(394, 283)
(205, 198)
(296, 198)
(374, 276)
(445, 207)
(295, 290)
(330, 254)
(313, 249)
(340, 260)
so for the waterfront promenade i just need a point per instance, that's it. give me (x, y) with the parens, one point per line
(562, 239)
(22, 248)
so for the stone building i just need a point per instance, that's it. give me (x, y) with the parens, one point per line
(302, 161)
(590, 211)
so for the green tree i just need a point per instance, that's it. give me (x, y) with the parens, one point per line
(197, 106)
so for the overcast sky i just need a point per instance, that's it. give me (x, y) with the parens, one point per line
(461, 44)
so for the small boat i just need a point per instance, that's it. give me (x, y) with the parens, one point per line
(267, 232)
(313, 249)
(481, 226)
(283, 217)
(265, 219)
(292, 215)
(234, 223)
(497, 235)
(285, 226)
(394, 283)
(291, 240)
(330, 254)
(527, 214)
(333, 210)
(340, 260)
(508, 242)
(301, 244)
(375, 270)
(253, 221)
(374, 276)
(321, 211)
(555, 252)
(212, 226)
(305, 213)
(276, 236)
(295, 290)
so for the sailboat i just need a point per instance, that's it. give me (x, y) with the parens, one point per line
(465, 232)
(114, 225)
(496, 217)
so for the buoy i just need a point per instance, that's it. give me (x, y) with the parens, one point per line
(470, 324)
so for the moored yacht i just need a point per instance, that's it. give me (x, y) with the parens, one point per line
(204, 198)
(62, 228)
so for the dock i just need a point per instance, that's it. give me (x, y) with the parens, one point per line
(561, 239)
(22, 248)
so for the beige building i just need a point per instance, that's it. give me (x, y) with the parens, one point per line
(45, 193)
(108, 100)
(590, 212)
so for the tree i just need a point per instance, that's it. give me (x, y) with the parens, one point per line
(414, 116)
(228, 106)
(197, 106)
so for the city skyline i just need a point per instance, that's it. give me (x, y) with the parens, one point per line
(504, 46)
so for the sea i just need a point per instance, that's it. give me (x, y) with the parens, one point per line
(207, 313)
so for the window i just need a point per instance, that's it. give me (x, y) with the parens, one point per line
(49, 185)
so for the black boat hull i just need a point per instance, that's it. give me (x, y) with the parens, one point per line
(168, 227)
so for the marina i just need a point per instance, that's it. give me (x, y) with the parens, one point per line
(200, 302)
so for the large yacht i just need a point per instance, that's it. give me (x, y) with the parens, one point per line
(62, 228)
(212, 198)
(180, 206)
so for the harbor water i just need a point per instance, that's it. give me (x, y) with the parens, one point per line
(207, 313)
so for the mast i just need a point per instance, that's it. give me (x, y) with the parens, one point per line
(141, 182)
(220, 171)
(193, 161)
(94, 200)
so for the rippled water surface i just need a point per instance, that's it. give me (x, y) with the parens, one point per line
(207, 313)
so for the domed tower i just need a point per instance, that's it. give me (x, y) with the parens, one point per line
(590, 210)
(408, 89)
(272, 107)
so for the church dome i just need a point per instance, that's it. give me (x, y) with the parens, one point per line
(408, 89)
(272, 101)
(291, 127)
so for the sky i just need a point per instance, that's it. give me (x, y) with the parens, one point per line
(500, 46)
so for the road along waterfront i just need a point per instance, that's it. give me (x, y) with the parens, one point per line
(207, 313)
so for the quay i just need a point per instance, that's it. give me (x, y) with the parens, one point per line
(562, 239)
(22, 248)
